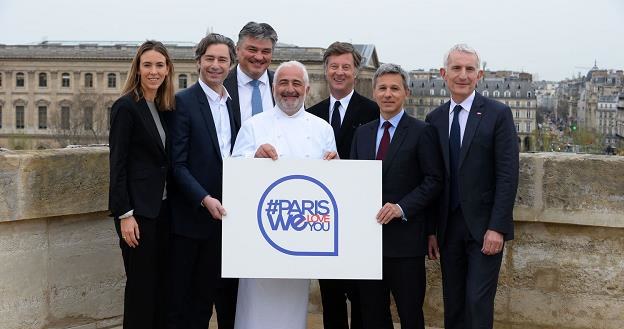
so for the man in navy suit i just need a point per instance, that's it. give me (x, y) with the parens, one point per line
(478, 140)
(250, 82)
(345, 110)
(412, 177)
(203, 131)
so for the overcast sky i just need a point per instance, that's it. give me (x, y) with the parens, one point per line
(553, 39)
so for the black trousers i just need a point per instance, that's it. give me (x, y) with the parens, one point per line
(146, 266)
(197, 286)
(334, 294)
(405, 278)
(469, 278)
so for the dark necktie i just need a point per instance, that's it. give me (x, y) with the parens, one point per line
(385, 141)
(335, 121)
(256, 98)
(454, 149)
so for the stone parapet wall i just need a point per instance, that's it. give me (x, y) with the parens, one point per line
(61, 266)
(565, 268)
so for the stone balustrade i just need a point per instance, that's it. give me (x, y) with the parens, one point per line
(60, 266)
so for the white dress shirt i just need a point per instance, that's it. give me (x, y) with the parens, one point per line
(344, 103)
(245, 90)
(221, 117)
(463, 115)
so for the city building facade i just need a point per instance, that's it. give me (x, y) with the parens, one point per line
(54, 94)
(429, 92)
(590, 103)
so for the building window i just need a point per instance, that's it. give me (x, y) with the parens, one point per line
(0, 116)
(507, 93)
(517, 113)
(518, 103)
(518, 93)
(529, 114)
(43, 80)
(486, 93)
(0, 80)
(441, 101)
(528, 103)
(443, 92)
(420, 101)
(43, 117)
(88, 118)
(65, 80)
(529, 94)
(431, 92)
(19, 117)
(112, 80)
(517, 127)
(528, 127)
(182, 81)
(88, 82)
(19, 79)
(496, 93)
(65, 117)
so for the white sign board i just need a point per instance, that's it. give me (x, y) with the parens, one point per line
(306, 219)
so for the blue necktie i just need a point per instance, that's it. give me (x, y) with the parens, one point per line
(335, 120)
(454, 148)
(256, 99)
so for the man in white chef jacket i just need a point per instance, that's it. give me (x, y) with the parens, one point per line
(286, 131)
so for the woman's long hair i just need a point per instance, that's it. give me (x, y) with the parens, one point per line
(165, 98)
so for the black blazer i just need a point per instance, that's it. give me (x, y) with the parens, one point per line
(231, 84)
(412, 176)
(361, 110)
(138, 159)
(196, 161)
(488, 168)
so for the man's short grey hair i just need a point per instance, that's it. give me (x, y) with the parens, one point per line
(257, 31)
(389, 68)
(306, 79)
(464, 48)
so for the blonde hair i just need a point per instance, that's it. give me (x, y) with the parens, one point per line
(165, 98)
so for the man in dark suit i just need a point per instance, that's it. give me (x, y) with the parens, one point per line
(203, 131)
(345, 110)
(478, 140)
(342, 63)
(250, 82)
(412, 180)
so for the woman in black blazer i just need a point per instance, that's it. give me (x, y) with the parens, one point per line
(138, 189)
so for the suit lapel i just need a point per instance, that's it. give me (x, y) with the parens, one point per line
(395, 143)
(231, 84)
(474, 118)
(150, 125)
(441, 122)
(324, 114)
(350, 114)
(204, 109)
(371, 140)
(270, 74)
(234, 126)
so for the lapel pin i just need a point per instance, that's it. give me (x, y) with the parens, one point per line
(478, 113)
